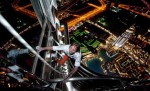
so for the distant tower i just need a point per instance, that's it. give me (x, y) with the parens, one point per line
(121, 40)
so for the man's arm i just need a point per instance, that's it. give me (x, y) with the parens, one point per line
(77, 58)
(71, 73)
(44, 48)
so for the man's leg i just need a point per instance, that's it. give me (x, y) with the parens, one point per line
(15, 52)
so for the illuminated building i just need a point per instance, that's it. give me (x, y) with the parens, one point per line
(121, 40)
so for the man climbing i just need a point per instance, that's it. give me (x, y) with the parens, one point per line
(71, 50)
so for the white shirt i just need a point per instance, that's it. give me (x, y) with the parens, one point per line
(65, 48)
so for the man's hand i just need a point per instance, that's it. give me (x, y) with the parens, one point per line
(39, 49)
(65, 79)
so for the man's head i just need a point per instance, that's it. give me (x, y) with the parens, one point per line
(74, 47)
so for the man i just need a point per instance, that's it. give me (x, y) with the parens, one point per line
(72, 51)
